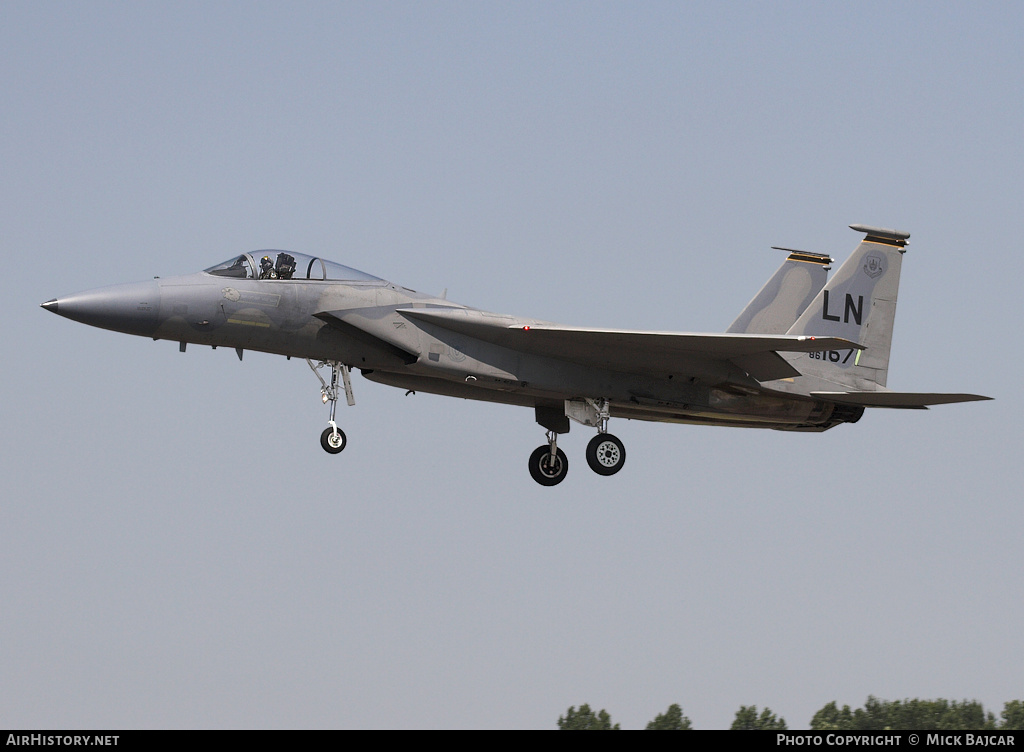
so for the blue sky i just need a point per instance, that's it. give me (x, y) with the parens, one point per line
(176, 549)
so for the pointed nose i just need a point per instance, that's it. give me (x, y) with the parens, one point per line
(133, 308)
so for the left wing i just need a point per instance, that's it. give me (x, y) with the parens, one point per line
(654, 353)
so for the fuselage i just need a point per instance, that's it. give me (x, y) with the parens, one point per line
(360, 322)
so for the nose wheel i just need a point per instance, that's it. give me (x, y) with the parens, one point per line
(333, 439)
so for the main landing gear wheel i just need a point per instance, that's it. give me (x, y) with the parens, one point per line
(333, 442)
(548, 471)
(605, 454)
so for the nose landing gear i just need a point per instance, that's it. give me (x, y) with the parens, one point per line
(333, 439)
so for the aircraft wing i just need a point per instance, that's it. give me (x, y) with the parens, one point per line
(899, 400)
(632, 351)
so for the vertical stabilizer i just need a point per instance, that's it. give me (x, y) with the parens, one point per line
(858, 304)
(785, 296)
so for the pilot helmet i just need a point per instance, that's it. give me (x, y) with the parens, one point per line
(266, 263)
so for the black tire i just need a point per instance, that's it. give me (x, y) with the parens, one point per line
(543, 470)
(606, 454)
(330, 444)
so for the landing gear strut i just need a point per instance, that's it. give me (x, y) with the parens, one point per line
(333, 439)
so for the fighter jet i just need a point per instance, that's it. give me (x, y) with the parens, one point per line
(807, 354)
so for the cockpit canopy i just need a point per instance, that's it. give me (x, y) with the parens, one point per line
(286, 265)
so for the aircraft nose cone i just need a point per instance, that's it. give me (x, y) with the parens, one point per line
(131, 308)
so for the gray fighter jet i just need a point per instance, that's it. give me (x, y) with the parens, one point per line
(805, 355)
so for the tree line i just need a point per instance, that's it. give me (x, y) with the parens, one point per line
(876, 715)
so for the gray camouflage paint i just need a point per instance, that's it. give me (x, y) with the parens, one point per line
(834, 353)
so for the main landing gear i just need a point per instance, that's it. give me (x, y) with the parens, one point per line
(606, 454)
(548, 464)
(333, 439)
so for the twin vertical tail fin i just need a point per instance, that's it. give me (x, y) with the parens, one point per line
(857, 304)
(785, 296)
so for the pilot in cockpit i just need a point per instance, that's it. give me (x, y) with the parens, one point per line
(285, 266)
(267, 268)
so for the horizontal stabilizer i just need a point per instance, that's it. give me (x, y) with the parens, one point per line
(900, 400)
